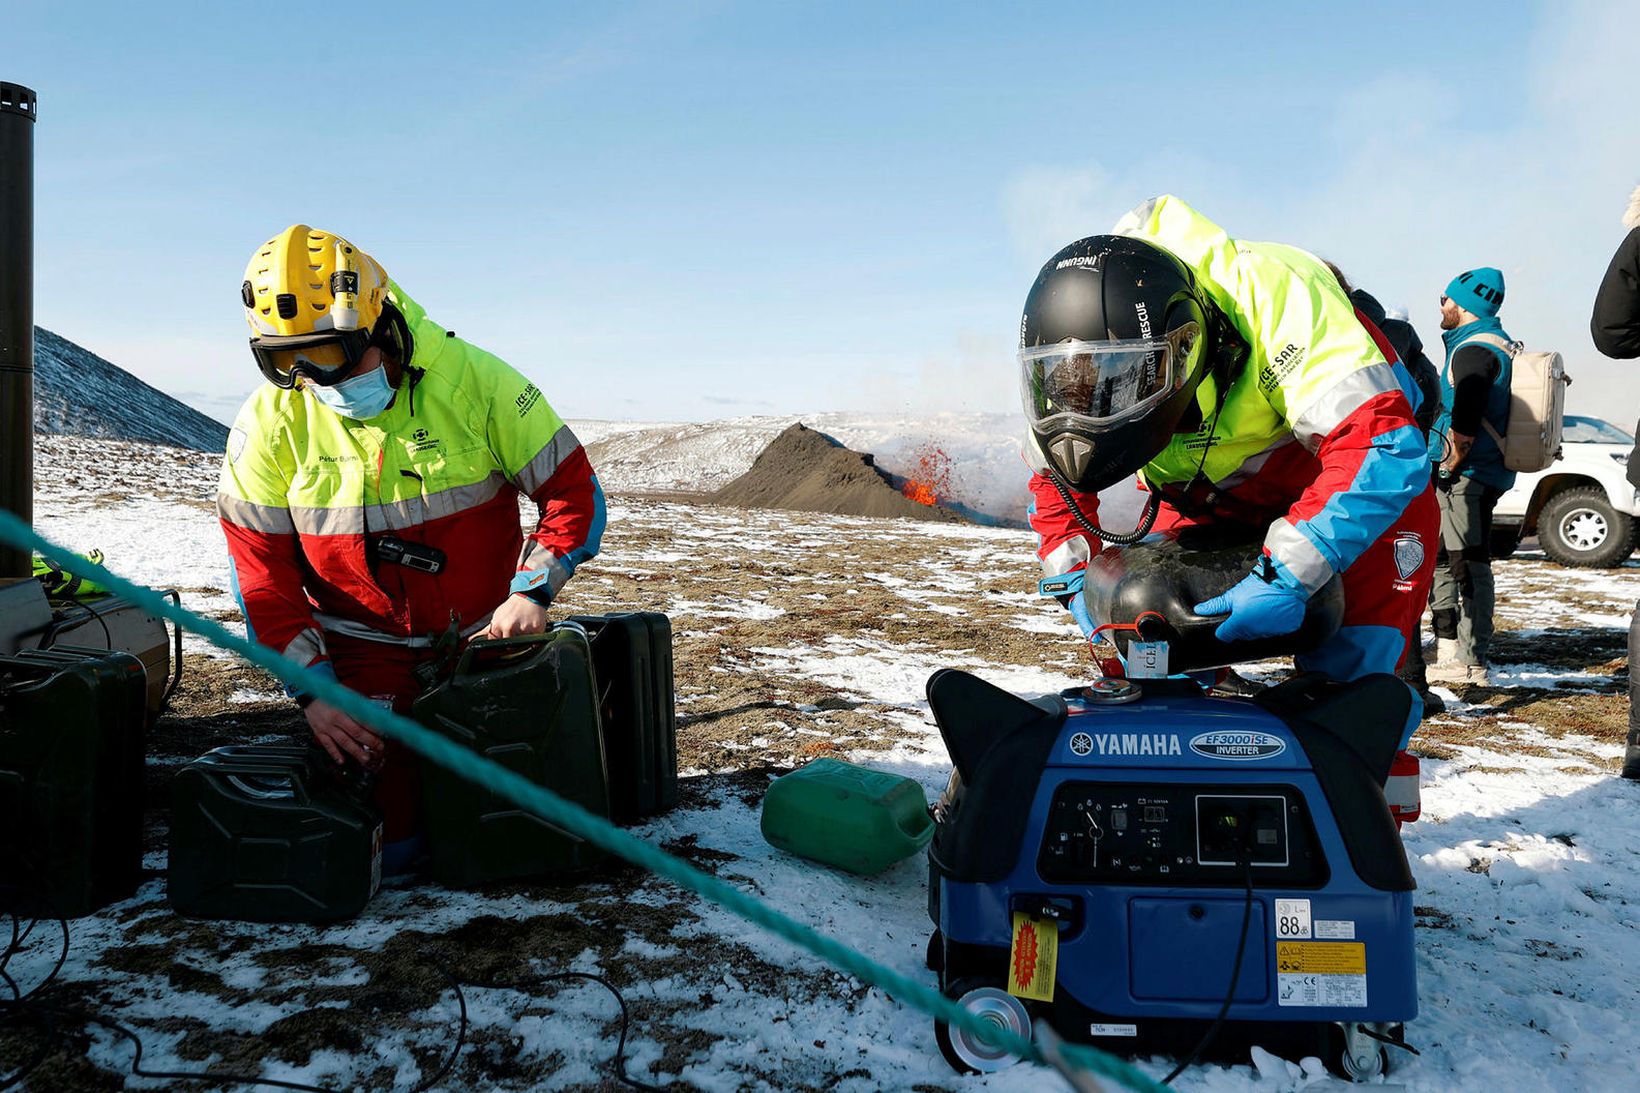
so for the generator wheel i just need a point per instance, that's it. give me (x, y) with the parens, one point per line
(1356, 1056)
(985, 998)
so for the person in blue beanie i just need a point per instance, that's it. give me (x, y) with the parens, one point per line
(1470, 473)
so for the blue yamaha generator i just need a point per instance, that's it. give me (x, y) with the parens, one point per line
(1154, 869)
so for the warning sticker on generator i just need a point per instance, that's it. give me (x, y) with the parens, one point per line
(1319, 973)
(1033, 959)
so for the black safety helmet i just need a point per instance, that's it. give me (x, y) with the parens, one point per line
(1115, 338)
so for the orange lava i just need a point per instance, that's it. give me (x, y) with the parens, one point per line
(931, 479)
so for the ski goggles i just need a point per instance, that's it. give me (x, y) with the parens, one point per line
(325, 358)
(1106, 381)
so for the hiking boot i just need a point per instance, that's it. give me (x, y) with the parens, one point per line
(1631, 757)
(1433, 703)
(1450, 671)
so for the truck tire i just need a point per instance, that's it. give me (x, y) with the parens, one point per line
(1579, 527)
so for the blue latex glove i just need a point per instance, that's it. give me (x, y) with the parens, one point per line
(1067, 589)
(1267, 602)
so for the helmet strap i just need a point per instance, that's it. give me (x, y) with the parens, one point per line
(392, 335)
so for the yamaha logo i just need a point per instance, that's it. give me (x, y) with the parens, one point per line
(1237, 746)
(1081, 744)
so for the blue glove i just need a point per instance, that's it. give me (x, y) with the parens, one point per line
(1067, 589)
(1267, 602)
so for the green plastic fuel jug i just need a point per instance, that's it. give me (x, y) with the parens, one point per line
(848, 816)
(531, 705)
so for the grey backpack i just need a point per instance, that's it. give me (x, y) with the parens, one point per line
(1537, 406)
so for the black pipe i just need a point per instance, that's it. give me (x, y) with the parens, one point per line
(18, 109)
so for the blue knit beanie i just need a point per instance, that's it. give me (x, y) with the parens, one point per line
(1479, 291)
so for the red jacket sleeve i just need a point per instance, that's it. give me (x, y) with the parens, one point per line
(266, 570)
(572, 516)
(1063, 546)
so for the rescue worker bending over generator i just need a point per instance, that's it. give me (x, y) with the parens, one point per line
(370, 493)
(1244, 388)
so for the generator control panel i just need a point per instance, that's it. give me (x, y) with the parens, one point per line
(1109, 833)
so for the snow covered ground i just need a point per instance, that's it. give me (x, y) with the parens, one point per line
(800, 636)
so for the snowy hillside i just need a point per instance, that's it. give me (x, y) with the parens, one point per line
(78, 393)
(980, 453)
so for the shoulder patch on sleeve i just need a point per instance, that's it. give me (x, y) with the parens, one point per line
(527, 399)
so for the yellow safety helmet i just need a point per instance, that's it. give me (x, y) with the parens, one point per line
(315, 303)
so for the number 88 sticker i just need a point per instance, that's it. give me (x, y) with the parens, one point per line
(1292, 918)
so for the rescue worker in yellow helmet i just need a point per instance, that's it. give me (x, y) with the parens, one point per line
(370, 491)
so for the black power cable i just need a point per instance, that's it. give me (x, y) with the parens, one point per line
(27, 1005)
(1153, 503)
(617, 1062)
(1235, 976)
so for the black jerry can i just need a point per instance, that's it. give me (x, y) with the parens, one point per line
(121, 684)
(1169, 573)
(262, 833)
(529, 704)
(49, 741)
(632, 661)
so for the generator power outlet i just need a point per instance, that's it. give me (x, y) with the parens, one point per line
(1233, 829)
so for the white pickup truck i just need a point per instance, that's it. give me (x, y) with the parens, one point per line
(1583, 508)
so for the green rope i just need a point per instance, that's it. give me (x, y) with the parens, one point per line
(565, 814)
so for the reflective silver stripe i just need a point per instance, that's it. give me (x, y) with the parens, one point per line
(1066, 556)
(535, 558)
(534, 474)
(1339, 401)
(305, 647)
(403, 515)
(1401, 791)
(347, 628)
(1293, 549)
(313, 521)
(397, 515)
(269, 519)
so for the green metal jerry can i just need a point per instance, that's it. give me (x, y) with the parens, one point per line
(531, 705)
(267, 833)
(71, 780)
(849, 816)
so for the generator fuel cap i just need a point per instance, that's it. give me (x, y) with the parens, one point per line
(1107, 692)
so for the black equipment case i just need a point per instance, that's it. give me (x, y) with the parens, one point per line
(271, 833)
(72, 742)
(632, 659)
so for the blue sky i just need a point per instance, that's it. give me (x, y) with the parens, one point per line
(670, 211)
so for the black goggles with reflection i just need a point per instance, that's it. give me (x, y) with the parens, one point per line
(325, 358)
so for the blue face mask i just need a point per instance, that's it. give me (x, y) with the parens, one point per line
(361, 397)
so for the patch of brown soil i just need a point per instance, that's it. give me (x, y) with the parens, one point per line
(1516, 719)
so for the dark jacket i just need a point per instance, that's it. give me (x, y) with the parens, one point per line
(1615, 324)
(1410, 348)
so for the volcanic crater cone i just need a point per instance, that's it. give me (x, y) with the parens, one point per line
(808, 471)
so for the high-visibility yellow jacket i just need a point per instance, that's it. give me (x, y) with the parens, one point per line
(307, 497)
(1314, 436)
